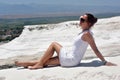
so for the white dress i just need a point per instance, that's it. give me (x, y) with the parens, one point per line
(73, 56)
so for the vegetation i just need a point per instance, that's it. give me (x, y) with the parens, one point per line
(11, 28)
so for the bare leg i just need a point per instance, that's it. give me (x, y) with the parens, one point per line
(48, 54)
(53, 61)
(25, 64)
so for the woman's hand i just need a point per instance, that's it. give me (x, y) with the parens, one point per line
(110, 64)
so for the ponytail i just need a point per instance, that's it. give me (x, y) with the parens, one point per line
(91, 19)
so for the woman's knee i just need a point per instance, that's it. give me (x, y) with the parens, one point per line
(54, 43)
(56, 46)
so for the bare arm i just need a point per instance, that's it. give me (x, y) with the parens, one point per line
(89, 38)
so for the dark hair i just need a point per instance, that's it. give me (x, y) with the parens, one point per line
(91, 19)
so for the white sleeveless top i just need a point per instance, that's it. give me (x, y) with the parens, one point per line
(73, 56)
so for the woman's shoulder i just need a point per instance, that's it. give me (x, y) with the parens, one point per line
(87, 35)
(88, 32)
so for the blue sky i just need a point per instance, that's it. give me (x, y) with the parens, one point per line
(65, 2)
(58, 6)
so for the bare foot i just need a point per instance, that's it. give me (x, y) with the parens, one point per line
(110, 64)
(17, 63)
(25, 64)
(36, 66)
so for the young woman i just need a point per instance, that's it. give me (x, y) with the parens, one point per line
(69, 57)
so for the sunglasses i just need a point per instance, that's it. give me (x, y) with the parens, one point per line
(82, 20)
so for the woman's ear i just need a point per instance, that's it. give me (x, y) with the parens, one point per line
(89, 24)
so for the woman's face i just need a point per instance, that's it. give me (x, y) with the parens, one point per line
(83, 22)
